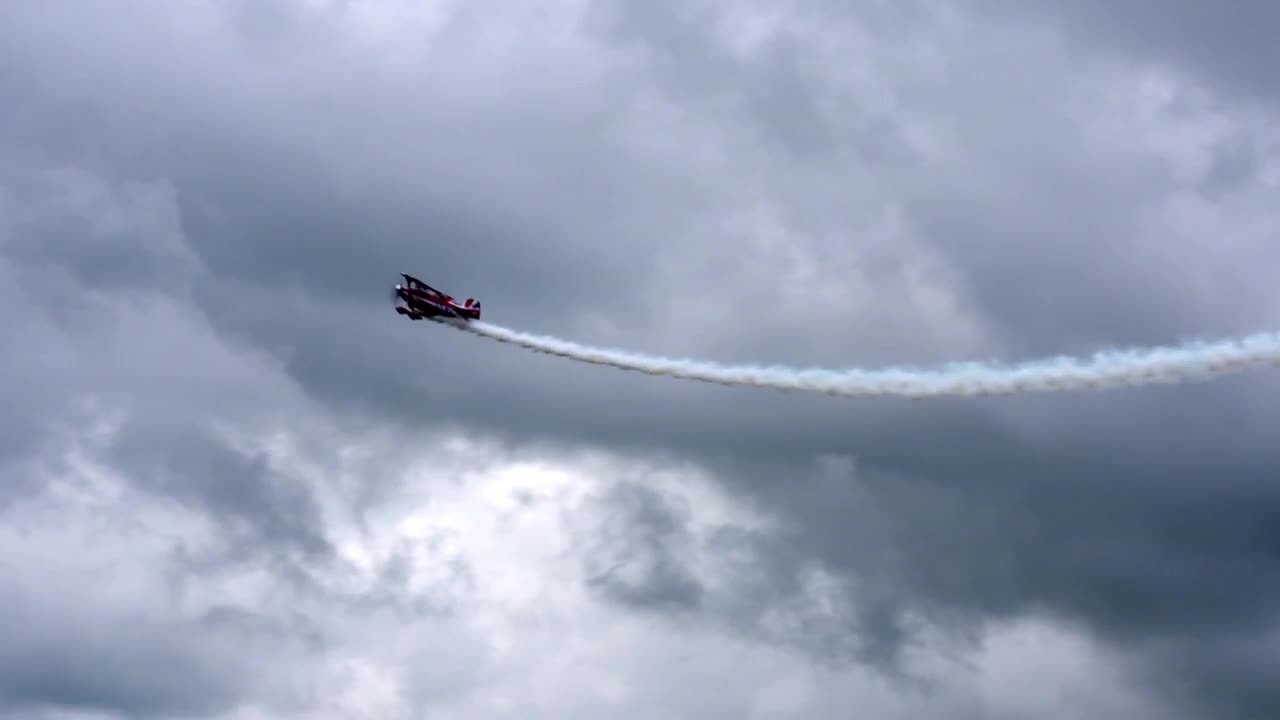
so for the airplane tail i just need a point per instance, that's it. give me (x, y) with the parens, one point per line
(472, 304)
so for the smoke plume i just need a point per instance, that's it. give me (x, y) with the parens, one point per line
(1110, 368)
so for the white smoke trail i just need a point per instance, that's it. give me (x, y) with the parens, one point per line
(1112, 368)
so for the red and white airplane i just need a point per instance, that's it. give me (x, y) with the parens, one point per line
(420, 300)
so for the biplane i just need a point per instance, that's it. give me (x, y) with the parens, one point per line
(419, 300)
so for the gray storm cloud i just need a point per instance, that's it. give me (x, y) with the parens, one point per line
(233, 184)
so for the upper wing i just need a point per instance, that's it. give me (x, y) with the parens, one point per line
(418, 284)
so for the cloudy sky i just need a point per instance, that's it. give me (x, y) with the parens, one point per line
(235, 484)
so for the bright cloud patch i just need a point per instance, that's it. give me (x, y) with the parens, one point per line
(473, 589)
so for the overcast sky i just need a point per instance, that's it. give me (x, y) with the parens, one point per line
(235, 484)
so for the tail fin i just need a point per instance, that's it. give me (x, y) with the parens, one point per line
(476, 307)
(469, 302)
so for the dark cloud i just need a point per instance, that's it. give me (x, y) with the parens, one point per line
(138, 672)
(1226, 47)
(885, 186)
(636, 557)
(254, 504)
